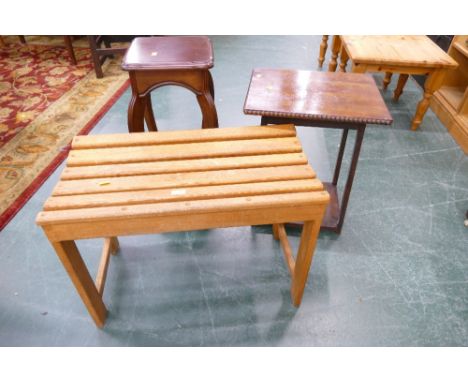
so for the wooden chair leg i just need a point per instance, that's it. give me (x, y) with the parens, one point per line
(387, 79)
(95, 56)
(323, 50)
(22, 39)
(400, 85)
(68, 44)
(71, 259)
(304, 257)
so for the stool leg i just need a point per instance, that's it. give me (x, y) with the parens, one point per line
(304, 257)
(210, 78)
(136, 113)
(74, 265)
(149, 114)
(210, 117)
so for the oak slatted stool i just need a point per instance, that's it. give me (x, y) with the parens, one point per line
(144, 183)
(153, 62)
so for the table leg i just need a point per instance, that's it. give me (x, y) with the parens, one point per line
(387, 79)
(349, 181)
(323, 50)
(136, 113)
(74, 265)
(343, 59)
(309, 235)
(433, 83)
(339, 159)
(400, 85)
(149, 114)
(336, 46)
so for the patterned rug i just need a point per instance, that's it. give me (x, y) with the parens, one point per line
(44, 102)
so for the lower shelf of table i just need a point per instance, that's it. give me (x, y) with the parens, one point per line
(331, 218)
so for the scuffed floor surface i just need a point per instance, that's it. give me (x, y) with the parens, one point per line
(396, 276)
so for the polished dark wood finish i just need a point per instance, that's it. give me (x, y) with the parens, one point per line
(345, 101)
(153, 62)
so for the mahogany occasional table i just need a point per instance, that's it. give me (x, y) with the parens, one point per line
(396, 54)
(146, 183)
(345, 101)
(153, 62)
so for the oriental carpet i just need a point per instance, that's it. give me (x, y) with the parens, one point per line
(44, 102)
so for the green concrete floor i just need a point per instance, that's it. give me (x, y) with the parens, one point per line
(396, 276)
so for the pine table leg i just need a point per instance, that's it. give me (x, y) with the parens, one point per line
(433, 83)
(71, 259)
(323, 50)
(387, 79)
(400, 85)
(336, 46)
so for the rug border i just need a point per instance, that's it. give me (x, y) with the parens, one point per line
(21, 200)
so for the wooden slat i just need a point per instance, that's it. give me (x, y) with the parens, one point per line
(193, 179)
(188, 136)
(236, 206)
(174, 195)
(164, 167)
(183, 151)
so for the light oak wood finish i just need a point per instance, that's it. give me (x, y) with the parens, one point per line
(399, 54)
(450, 102)
(179, 181)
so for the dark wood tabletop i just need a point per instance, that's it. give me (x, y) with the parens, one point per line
(170, 52)
(325, 96)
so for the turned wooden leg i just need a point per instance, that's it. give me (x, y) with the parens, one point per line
(115, 245)
(400, 85)
(387, 79)
(336, 46)
(323, 50)
(210, 117)
(71, 259)
(149, 114)
(136, 113)
(68, 44)
(305, 253)
(343, 59)
(433, 83)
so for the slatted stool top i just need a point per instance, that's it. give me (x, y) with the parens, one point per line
(172, 181)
